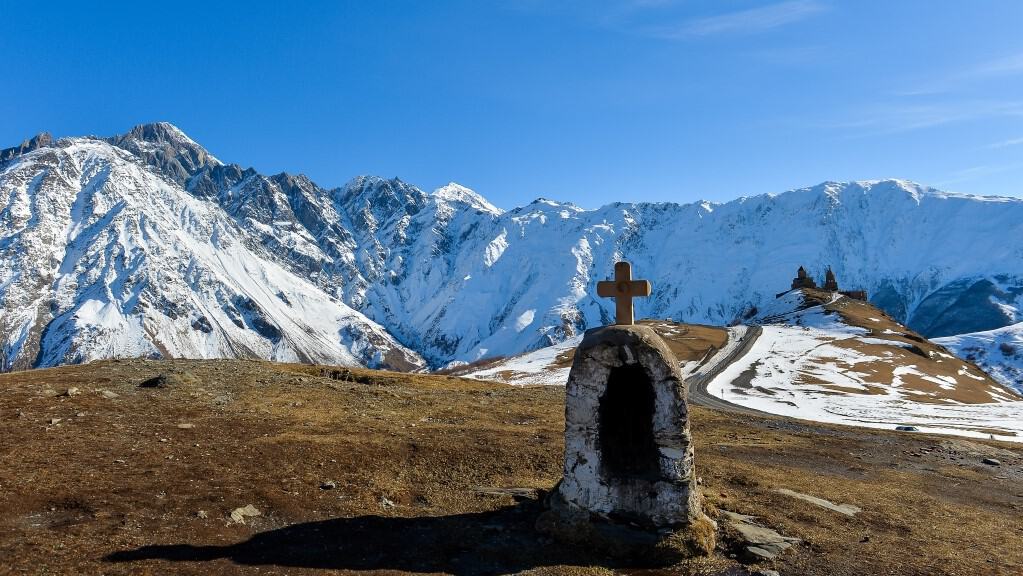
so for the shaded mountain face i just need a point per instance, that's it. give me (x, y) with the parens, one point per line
(999, 352)
(121, 246)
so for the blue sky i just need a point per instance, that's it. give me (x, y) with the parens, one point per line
(586, 101)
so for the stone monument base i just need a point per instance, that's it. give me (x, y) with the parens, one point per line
(625, 540)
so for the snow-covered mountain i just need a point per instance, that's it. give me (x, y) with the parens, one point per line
(999, 352)
(104, 257)
(151, 232)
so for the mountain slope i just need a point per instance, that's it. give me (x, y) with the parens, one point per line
(451, 277)
(830, 358)
(941, 262)
(999, 352)
(820, 356)
(107, 259)
(551, 365)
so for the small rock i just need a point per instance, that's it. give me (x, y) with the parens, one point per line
(991, 462)
(238, 515)
(328, 485)
(108, 394)
(759, 542)
(72, 392)
(766, 572)
(847, 509)
(118, 461)
(55, 421)
(865, 539)
(163, 439)
(386, 503)
(80, 415)
(201, 514)
(186, 426)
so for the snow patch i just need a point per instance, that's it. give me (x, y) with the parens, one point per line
(524, 320)
(495, 249)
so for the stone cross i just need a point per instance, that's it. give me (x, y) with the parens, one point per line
(623, 289)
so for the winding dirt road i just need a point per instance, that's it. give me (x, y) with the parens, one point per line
(711, 367)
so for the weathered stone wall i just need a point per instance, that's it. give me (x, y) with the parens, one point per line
(665, 498)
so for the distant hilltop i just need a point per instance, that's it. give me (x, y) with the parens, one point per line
(803, 280)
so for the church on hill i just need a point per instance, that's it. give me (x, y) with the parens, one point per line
(804, 280)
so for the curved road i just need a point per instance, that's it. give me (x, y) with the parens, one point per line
(698, 382)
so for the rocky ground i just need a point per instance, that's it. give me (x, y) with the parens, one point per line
(202, 467)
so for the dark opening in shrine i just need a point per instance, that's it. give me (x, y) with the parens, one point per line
(626, 413)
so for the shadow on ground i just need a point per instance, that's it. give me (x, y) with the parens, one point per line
(502, 541)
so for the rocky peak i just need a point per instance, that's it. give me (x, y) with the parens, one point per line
(159, 132)
(287, 180)
(381, 198)
(165, 147)
(40, 140)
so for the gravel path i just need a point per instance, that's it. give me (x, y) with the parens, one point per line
(713, 366)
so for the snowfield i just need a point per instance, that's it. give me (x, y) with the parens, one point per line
(767, 379)
(811, 363)
(537, 367)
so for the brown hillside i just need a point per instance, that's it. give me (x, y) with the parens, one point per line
(689, 342)
(938, 375)
(356, 471)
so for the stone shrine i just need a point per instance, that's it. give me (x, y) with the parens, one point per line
(629, 485)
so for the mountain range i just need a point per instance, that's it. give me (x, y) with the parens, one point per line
(145, 244)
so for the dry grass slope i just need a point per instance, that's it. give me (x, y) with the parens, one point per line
(435, 474)
(965, 381)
